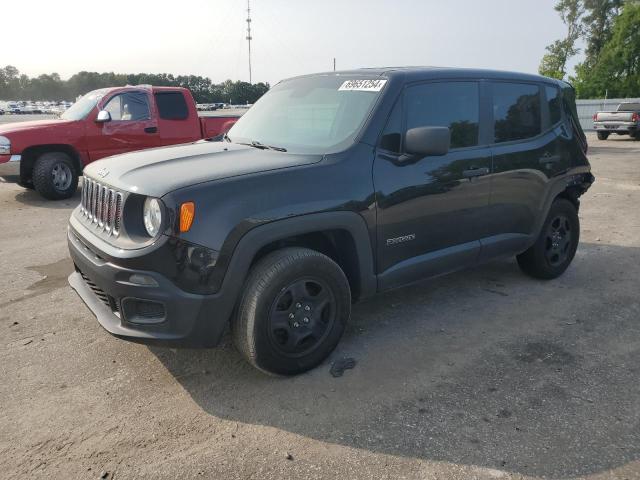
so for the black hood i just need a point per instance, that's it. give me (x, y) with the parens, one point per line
(158, 171)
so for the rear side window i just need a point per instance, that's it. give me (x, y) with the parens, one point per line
(455, 105)
(516, 111)
(629, 107)
(172, 106)
(555, 107)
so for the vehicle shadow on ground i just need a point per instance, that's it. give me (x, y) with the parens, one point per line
(34, 199)
(484, 367)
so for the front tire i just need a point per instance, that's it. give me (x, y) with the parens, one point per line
(293, 311)
(556, 245)
(54, 176)
(603, 135)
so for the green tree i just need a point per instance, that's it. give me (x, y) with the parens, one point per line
(597, 23)
(616, 71)
(14, 86)
(554, 62)
(9, 82)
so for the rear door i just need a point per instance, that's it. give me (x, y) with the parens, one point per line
(528, 151)
(178, 120)
(131, 127)
(431, 209)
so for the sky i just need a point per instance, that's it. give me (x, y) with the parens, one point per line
(290, 37)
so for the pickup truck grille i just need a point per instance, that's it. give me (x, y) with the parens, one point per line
(102, 206)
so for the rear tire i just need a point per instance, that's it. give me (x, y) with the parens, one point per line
(556, 245)
(603, 135)
(54, 176)
(293, 311)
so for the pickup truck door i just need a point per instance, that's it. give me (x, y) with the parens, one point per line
(132, 126)
(531, 146)
(431, 210)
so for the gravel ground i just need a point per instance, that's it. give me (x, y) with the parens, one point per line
(480, 374)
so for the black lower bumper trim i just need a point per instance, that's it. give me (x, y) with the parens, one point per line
(189, 320)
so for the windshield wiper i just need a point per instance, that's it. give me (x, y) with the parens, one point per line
(262, 146)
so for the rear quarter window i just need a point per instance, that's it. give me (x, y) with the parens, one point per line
(555, 105)
(172, 106)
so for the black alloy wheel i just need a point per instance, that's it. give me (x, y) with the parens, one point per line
(558, 240)
(301, 317)
(294, 308)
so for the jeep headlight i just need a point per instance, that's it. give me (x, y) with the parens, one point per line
(5, 146)
(152, 215)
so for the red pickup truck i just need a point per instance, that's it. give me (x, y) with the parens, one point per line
(50, 154)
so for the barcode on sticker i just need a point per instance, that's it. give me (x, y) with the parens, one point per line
(363, 85)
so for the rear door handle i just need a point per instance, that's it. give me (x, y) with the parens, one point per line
(475, 172)
(151, 130)
(548, 158)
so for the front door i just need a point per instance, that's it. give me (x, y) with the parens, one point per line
(131, 127)
(431, 210)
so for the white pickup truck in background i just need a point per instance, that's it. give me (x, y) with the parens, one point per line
(624, 121)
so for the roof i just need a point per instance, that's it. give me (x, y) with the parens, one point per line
(417, 73)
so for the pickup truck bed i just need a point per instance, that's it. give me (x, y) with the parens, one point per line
(213, 125)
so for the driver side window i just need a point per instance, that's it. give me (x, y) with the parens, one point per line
(131, 106)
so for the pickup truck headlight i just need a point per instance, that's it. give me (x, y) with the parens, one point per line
(152, 215)
(5, 146)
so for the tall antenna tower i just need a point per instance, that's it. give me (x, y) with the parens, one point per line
(249, 37)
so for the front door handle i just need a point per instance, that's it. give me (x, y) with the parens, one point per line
(548, 158)
(151, 130)
(475, 172)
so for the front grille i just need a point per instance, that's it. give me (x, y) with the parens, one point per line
(105, 298)
(102, 206)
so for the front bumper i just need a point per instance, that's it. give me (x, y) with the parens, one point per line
(178, 318)
(10, 165)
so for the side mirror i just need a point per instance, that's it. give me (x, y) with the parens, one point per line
(425, 141)
(103, 116)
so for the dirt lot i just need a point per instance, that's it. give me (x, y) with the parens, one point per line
(480, 374)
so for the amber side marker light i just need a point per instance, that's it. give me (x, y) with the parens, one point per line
(187, 214)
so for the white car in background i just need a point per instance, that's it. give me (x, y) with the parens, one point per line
(14, 108)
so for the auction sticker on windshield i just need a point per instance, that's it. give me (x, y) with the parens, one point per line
(363, 85)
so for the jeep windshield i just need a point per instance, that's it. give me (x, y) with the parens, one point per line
(82, 107)
(317, 114)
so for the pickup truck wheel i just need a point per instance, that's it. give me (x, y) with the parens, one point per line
(54, 176)
(556, 246)
(603, 135)
(294, 308)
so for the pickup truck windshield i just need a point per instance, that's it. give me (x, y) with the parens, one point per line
(82, 107)
(319, 114)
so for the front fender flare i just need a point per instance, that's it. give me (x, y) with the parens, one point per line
(236, 268)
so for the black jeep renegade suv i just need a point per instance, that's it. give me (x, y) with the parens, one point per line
(332, 187)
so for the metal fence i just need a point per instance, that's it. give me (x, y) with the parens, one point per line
(587, 108)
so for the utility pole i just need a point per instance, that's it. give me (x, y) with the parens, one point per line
(249, 37)
(334, 64)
